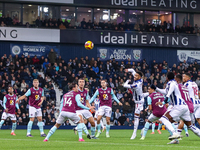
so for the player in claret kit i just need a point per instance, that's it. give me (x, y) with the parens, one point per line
(186, 96)
(9, 104)
(35, 95)
(157, 111)
(105, 96)
(68, 111)
(193, 93)
(82, 113)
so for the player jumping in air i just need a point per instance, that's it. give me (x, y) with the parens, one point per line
(35, 95)
(180, 109)
(68, 111)
(9, 104)
(138, 96)
(157, 111)
(105, 96)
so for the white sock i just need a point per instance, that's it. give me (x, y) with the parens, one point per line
(167, 123)
(195, 130)
(136, 123)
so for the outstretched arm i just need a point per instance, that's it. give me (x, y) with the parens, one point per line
(28, 93)
(162, 91)
(126, 85)
(94, 96)
(146, 94)
(16, 104)
(131, 70)
(78, 98)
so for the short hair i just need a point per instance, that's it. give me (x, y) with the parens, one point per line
(9, 87)
(81, 79)
(72, 85)
(140, 73)
(188, 74)
(36, 80)
(178, 76)
(170, 75)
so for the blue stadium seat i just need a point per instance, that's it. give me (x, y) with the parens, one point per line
(130, 115)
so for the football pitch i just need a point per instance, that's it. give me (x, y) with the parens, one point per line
(119, 140)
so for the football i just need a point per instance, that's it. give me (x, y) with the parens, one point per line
(89, 45)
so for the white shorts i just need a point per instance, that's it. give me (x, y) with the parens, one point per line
(33, 112)
(180, 112)
(84, 113)
(153, 118)
(138, 108)
(105, 111)
(67, 115)
(96, 114)
(7, 115)
(197, 111)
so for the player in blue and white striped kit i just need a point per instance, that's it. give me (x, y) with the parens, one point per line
(97, 105)
(180, 109)
(138, 96)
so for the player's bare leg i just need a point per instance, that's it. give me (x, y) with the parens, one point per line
(84, 126)
(93, 129)
(98, 125)
(14, 125)
(29, 127)
(40, 125)
(136, 123)
(107, 127)
(182, 126)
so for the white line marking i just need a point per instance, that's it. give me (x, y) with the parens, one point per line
(102, 143)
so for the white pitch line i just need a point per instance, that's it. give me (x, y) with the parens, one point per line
(102, 143)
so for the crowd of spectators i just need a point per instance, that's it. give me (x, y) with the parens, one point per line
(165, 27)
(19, 72)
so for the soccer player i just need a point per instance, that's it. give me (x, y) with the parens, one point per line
(138, 96)
(82, 113)
(190, 96)
(68, 111)
(193, 93)
(9, 104)
(180, 109)
(157, 111)
(36, 97)
(105, 96)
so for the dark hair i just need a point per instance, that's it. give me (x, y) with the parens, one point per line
(188, 74)
(9, 87)
(170, 75)
(72, 85)
(178, 76)
(81, 79)
(140, 73)
(153, 86)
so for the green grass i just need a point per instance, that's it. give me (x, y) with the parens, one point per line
(119, 140)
